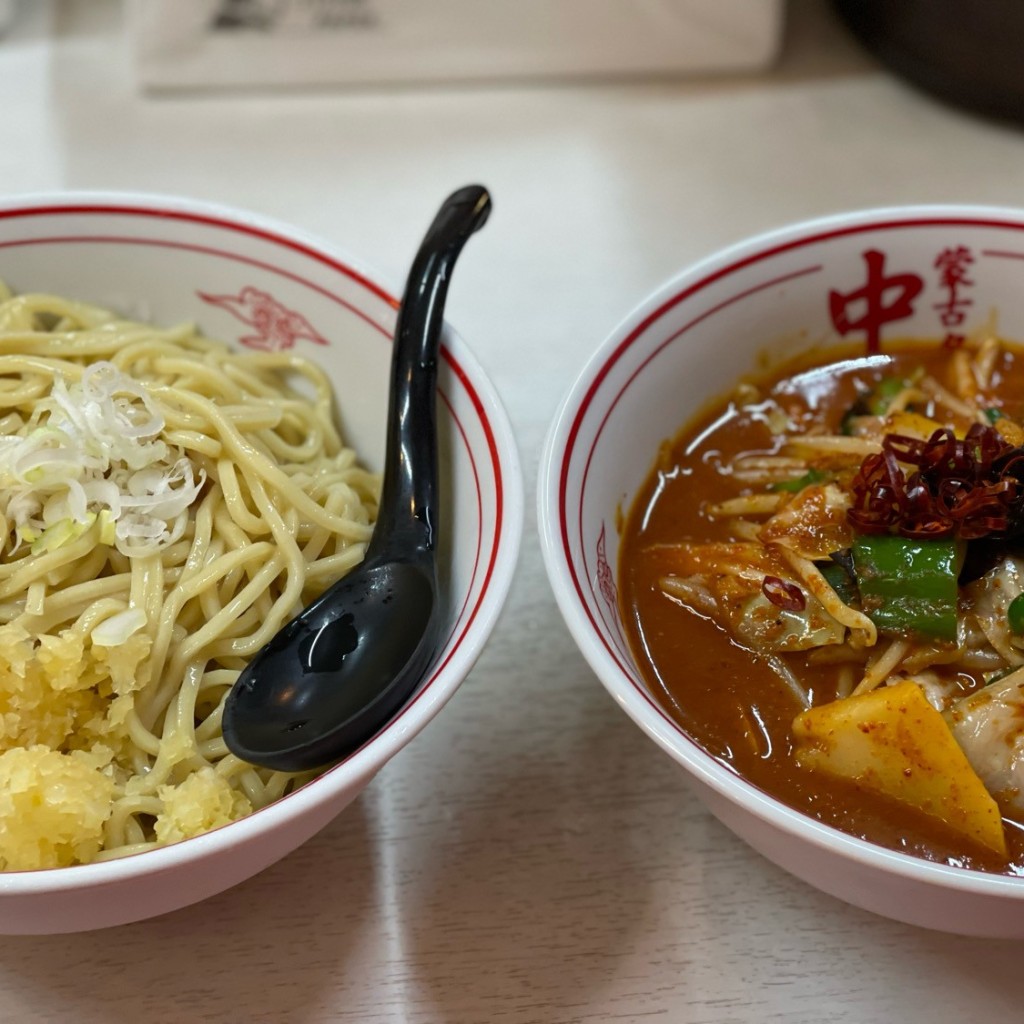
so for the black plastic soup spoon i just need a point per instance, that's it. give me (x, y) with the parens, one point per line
(344, 666)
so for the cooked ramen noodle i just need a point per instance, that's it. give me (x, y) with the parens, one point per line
(823, 582)
(166, 505)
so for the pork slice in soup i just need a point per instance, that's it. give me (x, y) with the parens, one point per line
(823, 584)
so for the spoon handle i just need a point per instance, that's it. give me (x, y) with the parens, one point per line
(408, 504)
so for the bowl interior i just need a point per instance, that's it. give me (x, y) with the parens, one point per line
(261, 286)
(928, 273)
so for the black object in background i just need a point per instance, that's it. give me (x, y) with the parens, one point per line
(967, 52)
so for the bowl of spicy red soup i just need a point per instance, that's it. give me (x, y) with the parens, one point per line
(782, 512)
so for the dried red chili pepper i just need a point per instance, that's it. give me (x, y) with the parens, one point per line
(969, 488)
(787, 596)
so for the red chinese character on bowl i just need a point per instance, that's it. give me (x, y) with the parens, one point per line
(880, 300)
(952, 264)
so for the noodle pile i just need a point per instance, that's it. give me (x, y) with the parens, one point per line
(166, 505)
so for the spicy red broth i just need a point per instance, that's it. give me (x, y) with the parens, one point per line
(698, 559)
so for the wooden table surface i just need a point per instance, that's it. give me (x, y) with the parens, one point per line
(531, 857)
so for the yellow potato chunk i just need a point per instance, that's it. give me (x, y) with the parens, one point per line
(911, 424)
(892, 741)
(1010, 431)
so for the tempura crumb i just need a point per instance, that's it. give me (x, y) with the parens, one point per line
(63, 734)
(52, 806)
(202, 802)
(46, 690)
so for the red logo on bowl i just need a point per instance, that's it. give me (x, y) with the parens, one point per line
(276, 326)
(606, 585)
(605, 576)
(952, 264)
(882, 299)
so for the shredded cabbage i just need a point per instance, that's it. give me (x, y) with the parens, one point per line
(91, 453)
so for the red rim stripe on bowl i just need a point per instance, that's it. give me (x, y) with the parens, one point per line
(499, 495)
(211, 221)
(206, 251)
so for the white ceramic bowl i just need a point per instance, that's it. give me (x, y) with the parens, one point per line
(248, 280)
(687, 344)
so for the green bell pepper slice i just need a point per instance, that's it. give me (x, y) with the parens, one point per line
(888, 388)
(839, 580)
(812, 476)
(1015, 615)
(909, 586)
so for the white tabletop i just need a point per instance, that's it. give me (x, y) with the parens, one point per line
(531, 857)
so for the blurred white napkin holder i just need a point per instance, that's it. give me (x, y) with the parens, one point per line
(230, 43)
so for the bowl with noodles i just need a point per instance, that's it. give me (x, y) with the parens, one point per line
(782, 510)
(191, 428)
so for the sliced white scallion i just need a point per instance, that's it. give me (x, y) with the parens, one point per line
(35, 598)
(92, 449)
(115, 630)
(61, 533)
